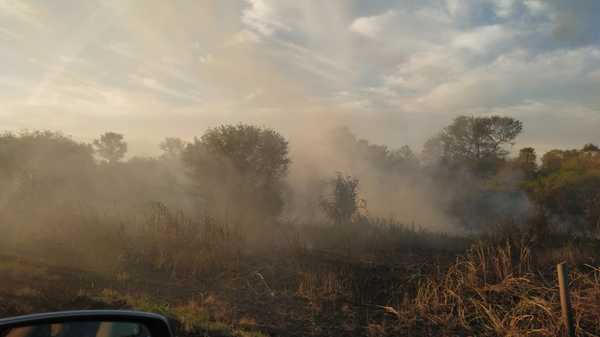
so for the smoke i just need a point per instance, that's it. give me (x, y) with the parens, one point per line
(178, 70)
(393, 187)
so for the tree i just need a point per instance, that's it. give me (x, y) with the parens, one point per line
(467, 161)
(241, 165)
(571, 196)
(172, 147)
(111, 147)
(477, 142)
(527, 162)
(40, 166)
(343, 205)
(555, 160)
(360, 152)
(551, 161)
(568, 187)
(433, 152)
(404, 158)
(590, 148)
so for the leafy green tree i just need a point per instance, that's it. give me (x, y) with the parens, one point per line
(111, 147)
(468, 162)
(240, 169)
(573, 197)
(477, 142)
(568, 187)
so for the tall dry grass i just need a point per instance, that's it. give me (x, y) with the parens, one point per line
(375, 277)
(169, 243)
(500, 290)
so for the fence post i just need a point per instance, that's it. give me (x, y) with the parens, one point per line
(565, 301)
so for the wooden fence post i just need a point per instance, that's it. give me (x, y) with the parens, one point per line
(565, 300)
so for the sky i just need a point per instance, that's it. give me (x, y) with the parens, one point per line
(394, 72)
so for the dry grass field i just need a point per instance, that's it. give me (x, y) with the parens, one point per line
(374, 280)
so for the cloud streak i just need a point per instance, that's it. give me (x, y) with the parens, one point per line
(394, 72)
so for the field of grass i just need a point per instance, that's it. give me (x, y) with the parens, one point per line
(374, 280)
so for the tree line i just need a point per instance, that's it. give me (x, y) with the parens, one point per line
(239, 172)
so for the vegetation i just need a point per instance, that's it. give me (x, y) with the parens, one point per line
(239, 168)
(205, 233)
(344, 205)
(475, 142)
(111, 147)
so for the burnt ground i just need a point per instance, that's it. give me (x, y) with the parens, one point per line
(316, 294)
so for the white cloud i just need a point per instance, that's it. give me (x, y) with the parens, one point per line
(481, 39)
(86, 96)
(504, 8)
(7, 34)
(427, 58)
(372, 26)
(164, 89)
(242, 37)
(457, 8)
(20, 10)
(513, 78)
(425, 70)
(122, 49)
(262, 18)
(204, 59)
(536, 7)
(254, 94)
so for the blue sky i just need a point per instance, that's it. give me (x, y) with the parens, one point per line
(393, 71)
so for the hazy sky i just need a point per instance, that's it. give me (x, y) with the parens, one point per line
(393, 71)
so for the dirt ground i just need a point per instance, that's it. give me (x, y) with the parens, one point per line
(318, 294)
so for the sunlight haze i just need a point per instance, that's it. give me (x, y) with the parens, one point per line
(392, 71)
